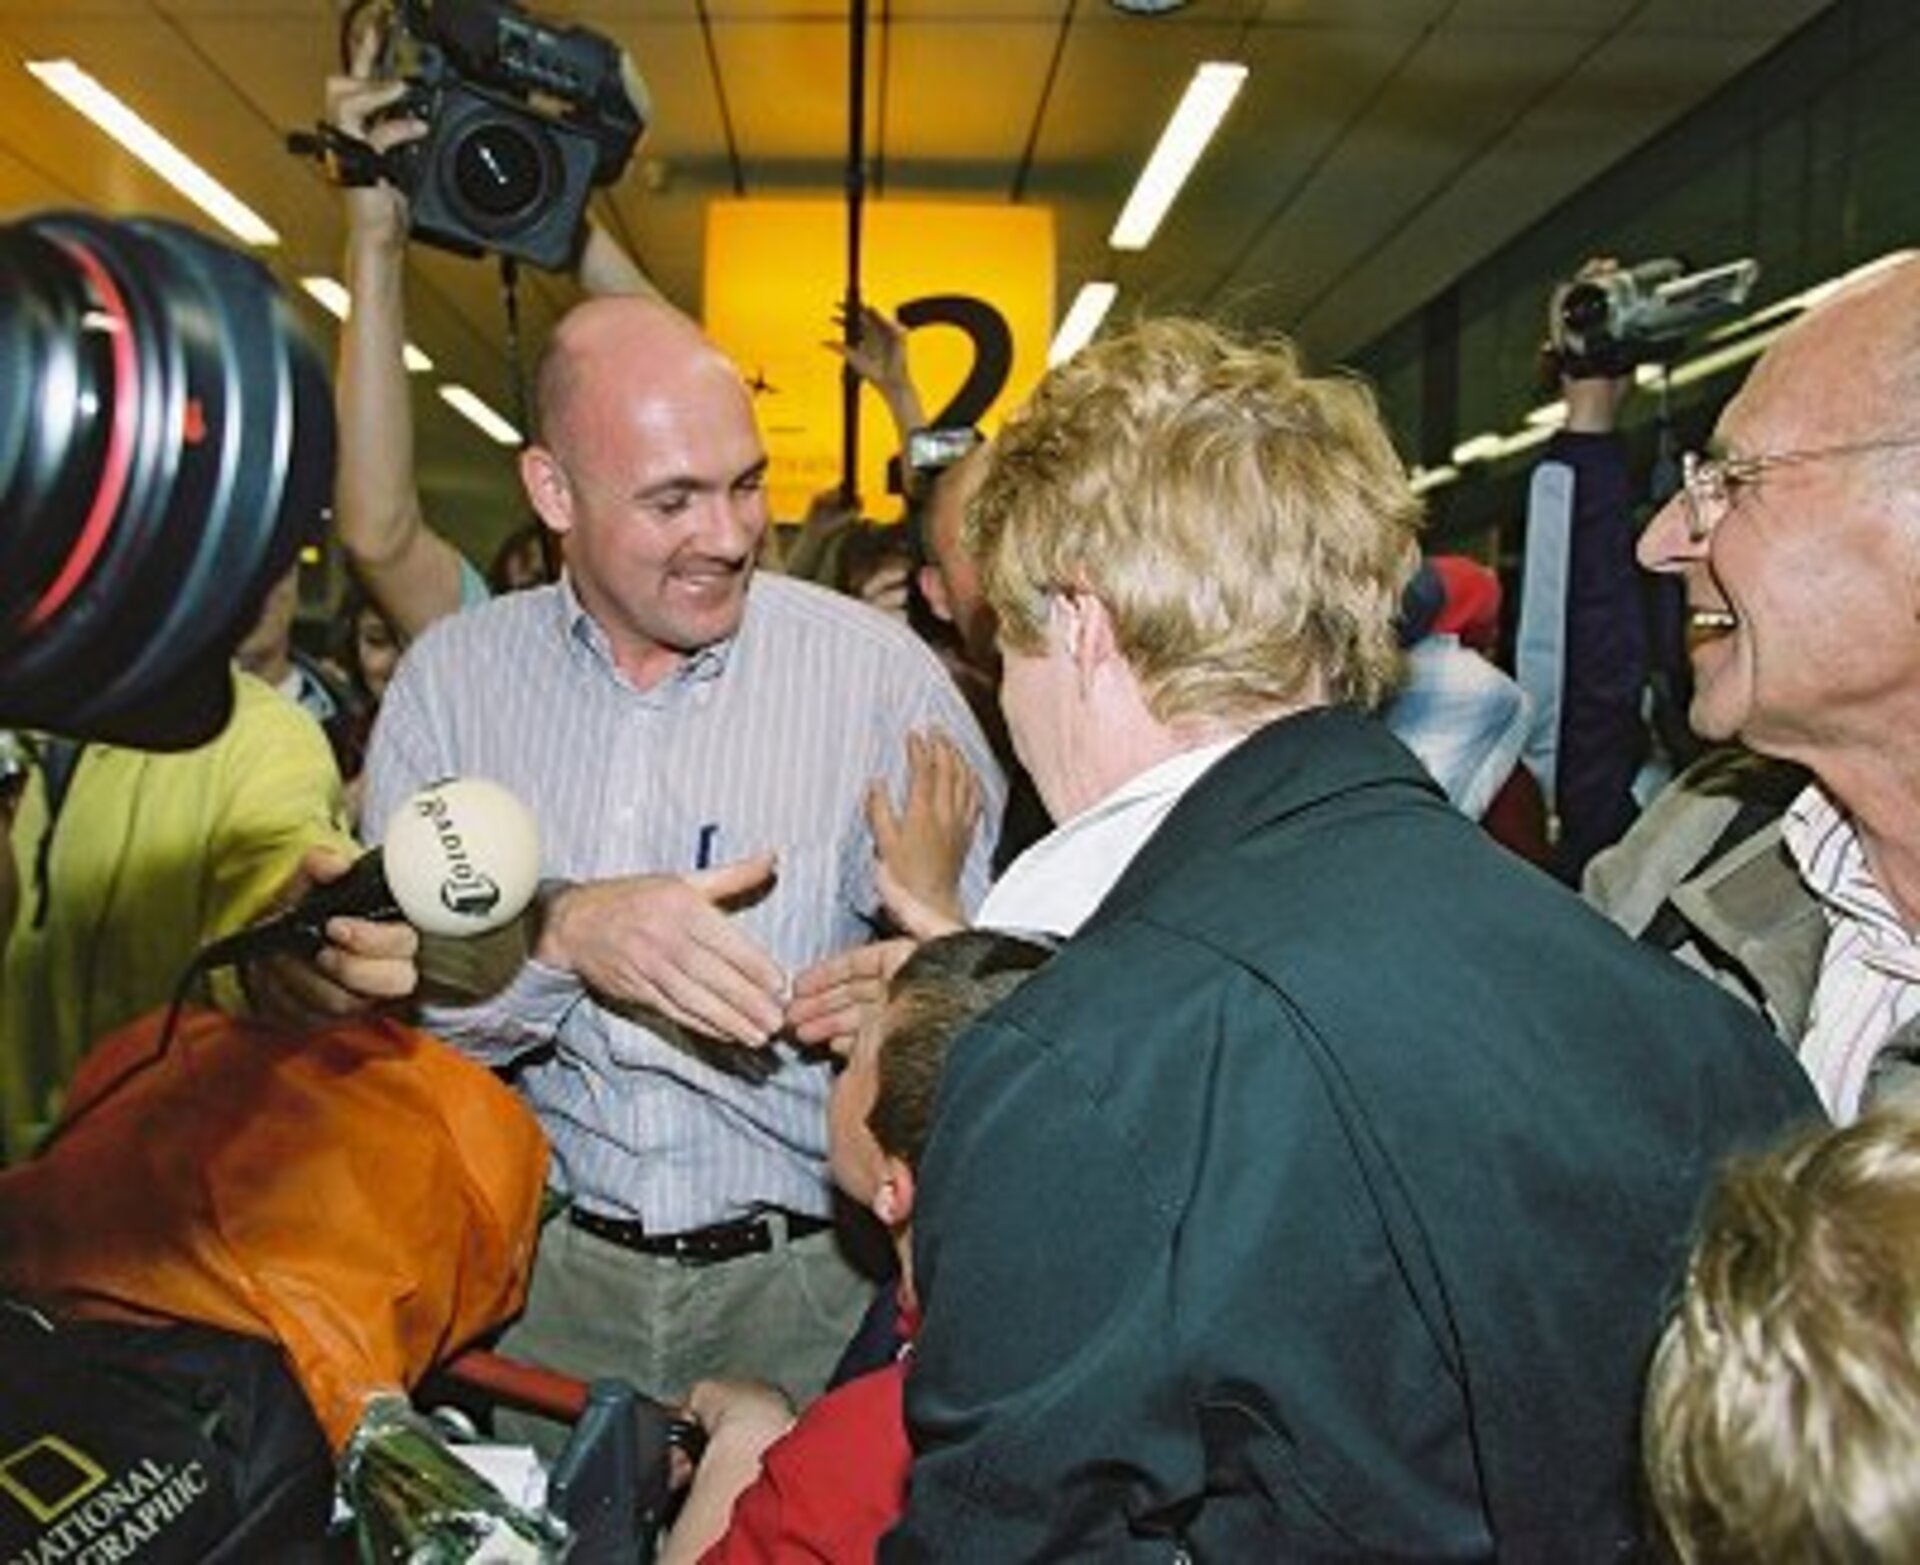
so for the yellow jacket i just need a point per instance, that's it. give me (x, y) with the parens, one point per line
(152, 855)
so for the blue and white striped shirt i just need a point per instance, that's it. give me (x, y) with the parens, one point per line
(764, 742)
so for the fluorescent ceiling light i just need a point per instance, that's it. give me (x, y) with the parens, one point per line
(1798, 303)
(1549, 414)
(332, 296)
(1089, 309)
(478, 414)
(1204, 105)
(1825, 291)
(1483, 447)
(1422, 479)
(67, 81)
(1712, 363)
(1525, 439)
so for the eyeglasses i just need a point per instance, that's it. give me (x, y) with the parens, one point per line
(1712, 485)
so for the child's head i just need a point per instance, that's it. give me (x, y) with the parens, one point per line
(1783, 1407)
(883, 1100)
(373, 648)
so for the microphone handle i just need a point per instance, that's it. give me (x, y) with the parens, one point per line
(360, 893)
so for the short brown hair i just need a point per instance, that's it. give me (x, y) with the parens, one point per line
(1249, 528)
(1783, 1407)
(942, 987)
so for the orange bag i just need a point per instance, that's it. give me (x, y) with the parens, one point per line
(363, 1195)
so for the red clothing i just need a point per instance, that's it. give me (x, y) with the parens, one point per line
(833, 1485)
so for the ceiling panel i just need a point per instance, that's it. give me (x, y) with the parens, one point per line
(1381, 147)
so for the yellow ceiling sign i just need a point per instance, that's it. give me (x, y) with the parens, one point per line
(973, 283)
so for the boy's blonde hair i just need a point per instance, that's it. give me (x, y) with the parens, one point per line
(1783, 1407)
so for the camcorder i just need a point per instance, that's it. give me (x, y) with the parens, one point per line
(523, 121)
(1605, 324)
(166, 450)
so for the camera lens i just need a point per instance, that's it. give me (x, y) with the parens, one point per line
(1585, 310)
(501, 174)
(166, 446)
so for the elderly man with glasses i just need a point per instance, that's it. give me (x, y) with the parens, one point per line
(1788, 867)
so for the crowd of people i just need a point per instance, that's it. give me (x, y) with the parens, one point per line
(1112, 881)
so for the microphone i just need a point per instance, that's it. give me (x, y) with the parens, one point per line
(460, 857)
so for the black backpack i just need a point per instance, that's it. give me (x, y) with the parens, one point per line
(154, 1445)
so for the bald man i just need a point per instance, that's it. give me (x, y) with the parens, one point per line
(1797, 537)
(696, 742)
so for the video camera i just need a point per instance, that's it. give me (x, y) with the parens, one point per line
(523, 120)
(166, 449)
(1605, 324)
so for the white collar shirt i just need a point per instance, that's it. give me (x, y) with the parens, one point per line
(1869, 984)
(1053, 888)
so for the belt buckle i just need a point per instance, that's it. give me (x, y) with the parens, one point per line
(721, 1242)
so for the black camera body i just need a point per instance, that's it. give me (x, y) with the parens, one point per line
(523, 121)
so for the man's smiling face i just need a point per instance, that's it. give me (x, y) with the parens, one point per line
(1801, 574)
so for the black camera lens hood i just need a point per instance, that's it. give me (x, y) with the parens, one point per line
(217, 463)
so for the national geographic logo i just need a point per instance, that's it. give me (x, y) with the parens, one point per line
(464, 890)
(89, 1516)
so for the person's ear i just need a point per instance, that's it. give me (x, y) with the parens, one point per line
(547, 488)
(893, 1199)
(933, 587)
(1088, 629)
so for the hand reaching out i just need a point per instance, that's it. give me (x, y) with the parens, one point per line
(877, 353)
(833, 999)
(665, 942)
(922, 847)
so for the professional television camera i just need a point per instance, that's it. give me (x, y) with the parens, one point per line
(523, 120)
(1606, 323)
(166, 448)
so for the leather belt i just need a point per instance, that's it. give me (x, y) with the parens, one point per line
(710, 1246)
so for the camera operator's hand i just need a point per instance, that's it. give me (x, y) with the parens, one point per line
(364, 963)
(1593, 401)
(413, 574)
(355, 105)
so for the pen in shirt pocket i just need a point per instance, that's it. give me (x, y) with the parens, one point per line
(705, 844)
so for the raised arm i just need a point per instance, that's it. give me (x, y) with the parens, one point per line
(878, 355)
(412, 573)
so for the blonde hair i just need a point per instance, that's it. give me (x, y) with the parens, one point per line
(1783, 1407)
(1249, 528)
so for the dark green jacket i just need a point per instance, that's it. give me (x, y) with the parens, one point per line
(1321, 1199)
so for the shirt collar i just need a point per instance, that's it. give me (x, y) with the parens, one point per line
(1053, 887)
(584, 631)
(1827, 851)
